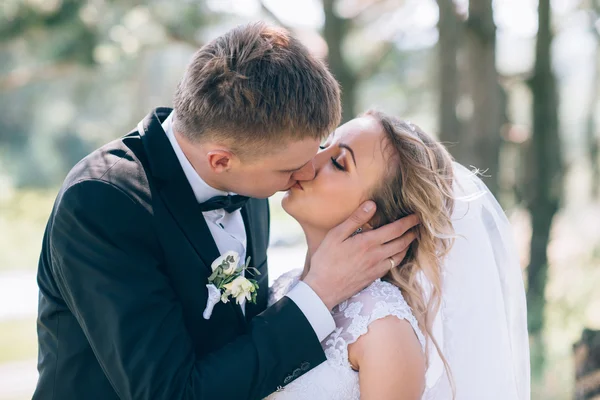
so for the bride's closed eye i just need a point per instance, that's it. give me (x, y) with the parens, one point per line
(334, 161)
(337, 165)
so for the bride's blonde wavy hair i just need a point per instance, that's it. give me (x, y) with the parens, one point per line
(419, 181)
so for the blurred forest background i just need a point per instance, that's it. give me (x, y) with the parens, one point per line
(511, 86)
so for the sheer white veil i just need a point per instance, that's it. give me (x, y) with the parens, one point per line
(482, 323)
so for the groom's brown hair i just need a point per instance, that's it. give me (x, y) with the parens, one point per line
(256, 87)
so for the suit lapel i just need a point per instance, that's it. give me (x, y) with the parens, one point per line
(253, 250)
(246, 215)
(177, 193)
(174, 188)
(248, 225)
(196, 230)
(184, 209)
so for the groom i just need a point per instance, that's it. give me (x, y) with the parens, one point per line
(128, 248)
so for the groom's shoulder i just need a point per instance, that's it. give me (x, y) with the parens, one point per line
(118, 164)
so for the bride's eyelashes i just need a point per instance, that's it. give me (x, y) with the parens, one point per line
(337, 164)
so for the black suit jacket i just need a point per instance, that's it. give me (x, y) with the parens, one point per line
(122, 274)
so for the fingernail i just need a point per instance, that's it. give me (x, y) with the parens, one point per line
(368, 206)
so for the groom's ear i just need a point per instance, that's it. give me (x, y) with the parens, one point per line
(221, 160)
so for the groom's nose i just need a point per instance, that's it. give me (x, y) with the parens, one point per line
(306, 173)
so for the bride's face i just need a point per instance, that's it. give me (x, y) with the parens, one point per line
(347, 169)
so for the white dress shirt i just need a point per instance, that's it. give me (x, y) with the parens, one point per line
(229, 233)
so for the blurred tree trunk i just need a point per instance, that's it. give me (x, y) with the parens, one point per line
(449, 27)
(481, 144)
(334, 33)
(593, 141)
(587, 365)
(545, 168)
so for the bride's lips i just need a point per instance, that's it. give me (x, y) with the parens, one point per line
(297, 185)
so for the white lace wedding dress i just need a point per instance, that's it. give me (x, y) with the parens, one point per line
(334, 378)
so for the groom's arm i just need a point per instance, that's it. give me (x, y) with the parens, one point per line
(103, 252)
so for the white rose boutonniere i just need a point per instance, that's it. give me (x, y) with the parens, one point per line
(227, 282)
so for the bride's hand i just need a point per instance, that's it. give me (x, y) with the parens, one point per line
(343, 265)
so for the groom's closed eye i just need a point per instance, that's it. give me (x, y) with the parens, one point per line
(327, 142)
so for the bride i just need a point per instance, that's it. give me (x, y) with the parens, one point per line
(449, 322)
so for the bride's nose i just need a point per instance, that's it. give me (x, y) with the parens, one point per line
(320, 160)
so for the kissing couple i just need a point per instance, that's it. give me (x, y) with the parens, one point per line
(153, 272)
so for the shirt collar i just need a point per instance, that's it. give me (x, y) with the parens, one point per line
(201, 189)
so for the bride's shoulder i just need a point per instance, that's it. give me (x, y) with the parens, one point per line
(379, 300)
(375, 296)
(381, 290)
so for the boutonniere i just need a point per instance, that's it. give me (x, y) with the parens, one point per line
(226, 282)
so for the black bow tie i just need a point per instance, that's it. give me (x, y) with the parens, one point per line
(228, 203)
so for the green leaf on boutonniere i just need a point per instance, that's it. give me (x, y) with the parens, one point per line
(213, 275)
(217, 282)
(228, 279)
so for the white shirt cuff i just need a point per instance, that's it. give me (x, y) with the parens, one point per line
(313, 308)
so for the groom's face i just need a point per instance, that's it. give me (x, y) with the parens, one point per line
(275, 171)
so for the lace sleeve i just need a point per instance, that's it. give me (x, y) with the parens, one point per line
(353, 317)
(283, 284)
